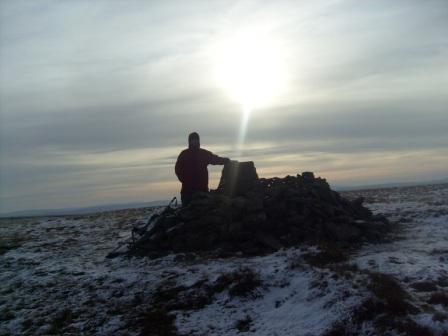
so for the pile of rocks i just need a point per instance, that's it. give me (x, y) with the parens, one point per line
(253, 216)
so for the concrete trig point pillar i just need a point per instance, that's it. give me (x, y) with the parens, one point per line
(237, 178)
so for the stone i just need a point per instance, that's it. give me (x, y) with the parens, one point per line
(308, 176)
(268, 240)
(257, 216)
(237, 178)
(254, 205)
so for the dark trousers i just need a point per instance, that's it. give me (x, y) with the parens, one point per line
(186, 198)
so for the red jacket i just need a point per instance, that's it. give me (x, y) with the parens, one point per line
(191, 168)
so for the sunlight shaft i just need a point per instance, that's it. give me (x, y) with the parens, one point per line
(243, 130)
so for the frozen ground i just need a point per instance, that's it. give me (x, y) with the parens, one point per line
(54, 279)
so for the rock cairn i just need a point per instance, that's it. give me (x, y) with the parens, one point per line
(252, 216)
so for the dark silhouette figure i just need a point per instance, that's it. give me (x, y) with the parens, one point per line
(191, 168)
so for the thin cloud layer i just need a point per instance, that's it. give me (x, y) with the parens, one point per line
(97, 98)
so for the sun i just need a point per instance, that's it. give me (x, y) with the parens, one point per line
(250, 68)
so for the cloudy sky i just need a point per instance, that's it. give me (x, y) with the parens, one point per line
(97, 97)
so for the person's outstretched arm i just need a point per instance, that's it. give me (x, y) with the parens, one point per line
(217, 160)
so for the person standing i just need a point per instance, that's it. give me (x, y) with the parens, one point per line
(191, 168)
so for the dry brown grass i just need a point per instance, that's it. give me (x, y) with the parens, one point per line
(8, 243)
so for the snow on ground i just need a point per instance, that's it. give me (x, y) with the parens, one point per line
(291, 298)
(55, 279)
(419, 260)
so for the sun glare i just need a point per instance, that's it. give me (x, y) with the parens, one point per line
(250, 69)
